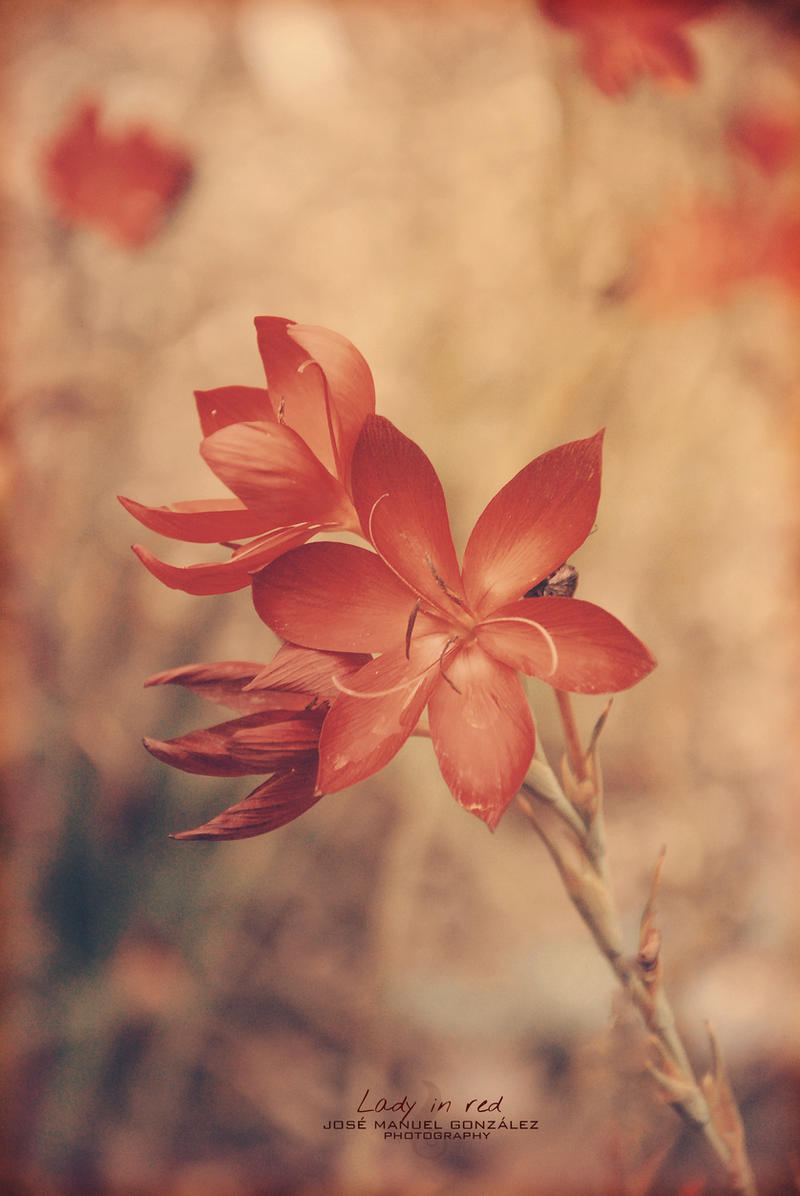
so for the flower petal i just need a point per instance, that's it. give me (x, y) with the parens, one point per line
(304, 672)
(277, 801)
(223, 577)
(368, 725)
(222, 682)
(351, 389)
(298, 395)
(533, 524)
(334, 597)
(595, 652)
(261, 742)
(402, 508)
(483, 734)
(217, 521)
(232, 405)
(282, 738)
(271, 469)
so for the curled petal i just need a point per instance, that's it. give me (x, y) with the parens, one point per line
(232, 405)
(299, 397)
(304, 672)
(261, 742)
(217, 521)
(482, 733)
(223, 577)
(277, 801)
(351, 389)
(271, 469)
(402, 508)
(596, 653)
(334, 596)
(533, 524)
(370, 721)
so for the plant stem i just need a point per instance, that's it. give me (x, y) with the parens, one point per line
(575, 752)
(577, 847)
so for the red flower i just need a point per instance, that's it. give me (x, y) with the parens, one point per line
(284, 452)
(447, 638)
(623, 40)
(123, 185)
(701, 253)
(283, 706)
(769, 137)
(705, 251)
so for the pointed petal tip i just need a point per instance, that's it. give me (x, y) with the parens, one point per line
(489, 818)
(157, 748)
(198, 836)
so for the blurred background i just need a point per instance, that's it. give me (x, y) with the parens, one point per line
(524, 250)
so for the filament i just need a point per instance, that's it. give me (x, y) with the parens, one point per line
(328, 414)
(380, 498)
(452, 684)
(383, 693)
(531, 623)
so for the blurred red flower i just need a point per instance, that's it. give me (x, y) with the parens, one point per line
(124, 185)
(446, 638)
(624, 40)
(701, 252)
(284, 452)
(282, 707)
(704, 251)
(768, 136)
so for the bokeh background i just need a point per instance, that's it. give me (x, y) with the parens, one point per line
(445, 185)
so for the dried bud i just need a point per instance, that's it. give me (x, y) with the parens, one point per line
(648, 956)
(562, 583)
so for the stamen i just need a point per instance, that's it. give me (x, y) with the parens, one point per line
(337, 457)
(372, 513)
(440, 581)
(393, 689)
(282, 411)
(531, 623)
(382, 693)
(452, 684)
(412, 618)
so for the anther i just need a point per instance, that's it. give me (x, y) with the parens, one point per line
(412, 618)
(440, 581)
